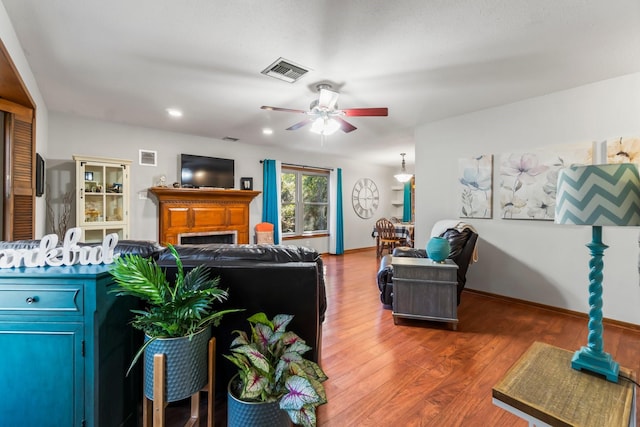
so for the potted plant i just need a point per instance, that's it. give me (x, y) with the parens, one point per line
(271, 370)
(176, 319)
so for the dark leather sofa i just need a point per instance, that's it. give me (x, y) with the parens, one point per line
(462, 244)
(270, 278)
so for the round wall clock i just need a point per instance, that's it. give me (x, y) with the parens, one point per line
(365, 198)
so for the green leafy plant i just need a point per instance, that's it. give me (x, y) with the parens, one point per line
(171, 309)
(271, 368)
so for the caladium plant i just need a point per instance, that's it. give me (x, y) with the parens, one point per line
(271, 368)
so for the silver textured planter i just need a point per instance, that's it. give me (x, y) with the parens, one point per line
(186, 365)
(253, 414)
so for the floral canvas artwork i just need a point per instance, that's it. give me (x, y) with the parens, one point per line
(529, 180)
(623, 150)
(476, 182)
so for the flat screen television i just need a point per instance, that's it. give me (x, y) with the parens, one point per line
(203, 171)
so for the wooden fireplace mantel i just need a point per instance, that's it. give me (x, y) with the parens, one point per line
(202, 210)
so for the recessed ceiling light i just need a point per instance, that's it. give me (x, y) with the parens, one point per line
(174, 112)
(267, 131)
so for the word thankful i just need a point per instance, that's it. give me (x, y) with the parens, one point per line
(70, 253)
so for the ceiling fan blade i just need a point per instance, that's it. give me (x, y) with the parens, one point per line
(352, 112)
(328, 99)
(300, 124)
(345, 125)
(287, 110)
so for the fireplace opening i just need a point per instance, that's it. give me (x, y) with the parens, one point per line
(229, 237)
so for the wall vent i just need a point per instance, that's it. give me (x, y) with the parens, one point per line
(148, 158)
(286, 70)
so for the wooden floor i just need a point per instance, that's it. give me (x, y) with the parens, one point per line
(423, 373)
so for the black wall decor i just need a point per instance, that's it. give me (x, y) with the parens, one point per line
(246, 183)
(39, 175)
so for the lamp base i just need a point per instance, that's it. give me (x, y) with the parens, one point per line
(600, 363)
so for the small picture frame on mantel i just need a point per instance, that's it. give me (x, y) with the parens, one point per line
(246, 183)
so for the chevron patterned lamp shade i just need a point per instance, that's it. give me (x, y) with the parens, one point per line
(597, 195)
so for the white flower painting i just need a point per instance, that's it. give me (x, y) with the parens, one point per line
(475, 183)
(623, 150)
(529, 180)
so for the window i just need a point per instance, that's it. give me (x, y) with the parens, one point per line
(305, 201)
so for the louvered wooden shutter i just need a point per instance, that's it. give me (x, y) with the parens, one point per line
(20, 208)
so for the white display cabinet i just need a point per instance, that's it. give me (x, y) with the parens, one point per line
(102, 197)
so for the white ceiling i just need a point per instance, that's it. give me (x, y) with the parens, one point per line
(128, 60)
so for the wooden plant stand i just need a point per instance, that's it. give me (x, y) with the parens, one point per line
(158, 405)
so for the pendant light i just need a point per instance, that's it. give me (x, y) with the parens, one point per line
(403, 176)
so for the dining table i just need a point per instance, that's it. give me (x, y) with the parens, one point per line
(404, 230)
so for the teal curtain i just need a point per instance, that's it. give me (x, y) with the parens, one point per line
(271, 197)
(339, 249)
(406, 206)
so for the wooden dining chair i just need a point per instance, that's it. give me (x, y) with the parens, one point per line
(386, 236)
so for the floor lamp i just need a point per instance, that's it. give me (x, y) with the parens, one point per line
(597, 195)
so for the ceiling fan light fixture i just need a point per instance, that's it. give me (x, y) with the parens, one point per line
(403, 176)
(324, 114)
(325, 126)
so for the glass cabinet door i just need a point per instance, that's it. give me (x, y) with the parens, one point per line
(114, 198)
(91, 194)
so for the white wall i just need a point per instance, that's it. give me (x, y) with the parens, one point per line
(69, 135)
(11, 43)
(535, 260)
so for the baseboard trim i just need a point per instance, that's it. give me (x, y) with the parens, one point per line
(352, 251)
(605, 321)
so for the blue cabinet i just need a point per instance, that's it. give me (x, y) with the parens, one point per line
(65, 345)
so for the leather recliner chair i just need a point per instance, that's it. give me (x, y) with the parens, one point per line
(462, 244)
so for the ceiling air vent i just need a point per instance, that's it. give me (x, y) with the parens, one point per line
(286, 70)
(230, 139)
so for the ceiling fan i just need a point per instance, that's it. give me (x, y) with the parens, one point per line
(324, 114)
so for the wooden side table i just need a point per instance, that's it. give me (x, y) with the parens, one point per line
(424, 289)
(541, 387)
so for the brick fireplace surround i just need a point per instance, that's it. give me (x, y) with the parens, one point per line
(202, 211)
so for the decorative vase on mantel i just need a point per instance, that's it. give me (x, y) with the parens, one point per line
(438, 249)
